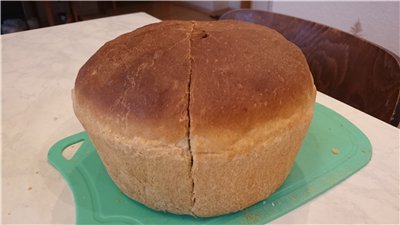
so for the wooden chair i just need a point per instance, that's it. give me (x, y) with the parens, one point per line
(345, 67)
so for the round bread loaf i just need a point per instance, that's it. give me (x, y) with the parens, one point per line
(200, 118)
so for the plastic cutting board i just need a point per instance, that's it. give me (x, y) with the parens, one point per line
(333, 150)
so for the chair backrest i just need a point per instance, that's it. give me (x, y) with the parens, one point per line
(344, 66)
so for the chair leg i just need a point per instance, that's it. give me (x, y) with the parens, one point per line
(74, 11)
(114, 6)
(245, 4)
(49, 12)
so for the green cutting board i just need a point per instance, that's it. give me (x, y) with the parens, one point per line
(333, 150)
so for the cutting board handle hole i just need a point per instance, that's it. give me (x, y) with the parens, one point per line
(70, 151)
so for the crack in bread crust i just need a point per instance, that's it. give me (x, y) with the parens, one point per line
(193, 197)
(189, 116)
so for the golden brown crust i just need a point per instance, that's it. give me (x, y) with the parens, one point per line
(131, 97)
(139, 83)
(155, 175)
(244, 72)
(249, 170)
(252, 98)
(201, 118)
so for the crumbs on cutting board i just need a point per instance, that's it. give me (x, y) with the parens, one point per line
(253, 217)
(29, 188)
(335, 151)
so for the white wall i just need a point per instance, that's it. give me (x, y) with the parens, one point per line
(379, 20)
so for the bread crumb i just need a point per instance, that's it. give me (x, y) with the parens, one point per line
(29, 188)
(252, 217)
(335, 151)
(37, 172)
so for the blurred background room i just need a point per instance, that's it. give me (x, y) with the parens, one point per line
(376, 21)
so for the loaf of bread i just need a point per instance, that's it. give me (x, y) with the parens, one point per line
(199, 118)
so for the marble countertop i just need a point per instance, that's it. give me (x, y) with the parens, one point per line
(38, 72)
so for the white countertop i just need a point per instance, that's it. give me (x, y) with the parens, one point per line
(38, 71)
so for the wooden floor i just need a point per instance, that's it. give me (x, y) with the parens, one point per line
(164, 10)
